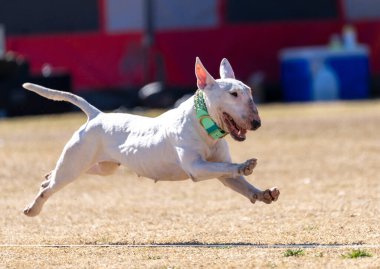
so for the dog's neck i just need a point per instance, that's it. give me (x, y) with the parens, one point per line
(205, 120)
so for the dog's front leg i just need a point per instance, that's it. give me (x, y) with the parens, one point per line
(199, 169)
(242, 186)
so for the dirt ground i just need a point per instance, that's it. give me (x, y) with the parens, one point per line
(324, 158)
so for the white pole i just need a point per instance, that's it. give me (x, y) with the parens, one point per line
(2, 40)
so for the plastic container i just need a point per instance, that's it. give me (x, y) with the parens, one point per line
(323, 74)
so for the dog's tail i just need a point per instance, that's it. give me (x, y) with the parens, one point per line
(87, 108)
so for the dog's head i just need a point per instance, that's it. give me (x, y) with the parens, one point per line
(228, 100)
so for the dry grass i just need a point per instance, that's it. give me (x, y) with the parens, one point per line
(323, 157)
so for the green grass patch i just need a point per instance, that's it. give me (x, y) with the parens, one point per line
(294, 252)
(357, 253)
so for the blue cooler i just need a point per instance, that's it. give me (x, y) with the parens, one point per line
(296, 80)
(323, 74)
(353, 74)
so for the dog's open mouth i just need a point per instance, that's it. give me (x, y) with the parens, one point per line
(237, 132)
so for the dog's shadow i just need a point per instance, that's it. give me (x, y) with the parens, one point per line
(197, 244)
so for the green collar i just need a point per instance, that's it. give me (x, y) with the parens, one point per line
(205, 120)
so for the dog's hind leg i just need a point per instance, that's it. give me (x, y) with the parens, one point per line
(75, 159)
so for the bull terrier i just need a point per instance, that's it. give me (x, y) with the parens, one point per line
(189, 136)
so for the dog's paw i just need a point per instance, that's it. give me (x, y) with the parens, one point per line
(270, 195)
(31, 211)
(34, 208)
(247, 167)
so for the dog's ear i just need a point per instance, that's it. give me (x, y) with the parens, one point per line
(225, 69)
(204, 79)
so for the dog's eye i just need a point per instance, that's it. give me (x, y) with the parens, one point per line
(234, 94)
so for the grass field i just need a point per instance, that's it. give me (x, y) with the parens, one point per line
(323, 157)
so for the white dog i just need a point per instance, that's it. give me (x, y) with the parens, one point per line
(185, 142)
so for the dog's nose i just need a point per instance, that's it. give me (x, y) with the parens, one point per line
(256, 124)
